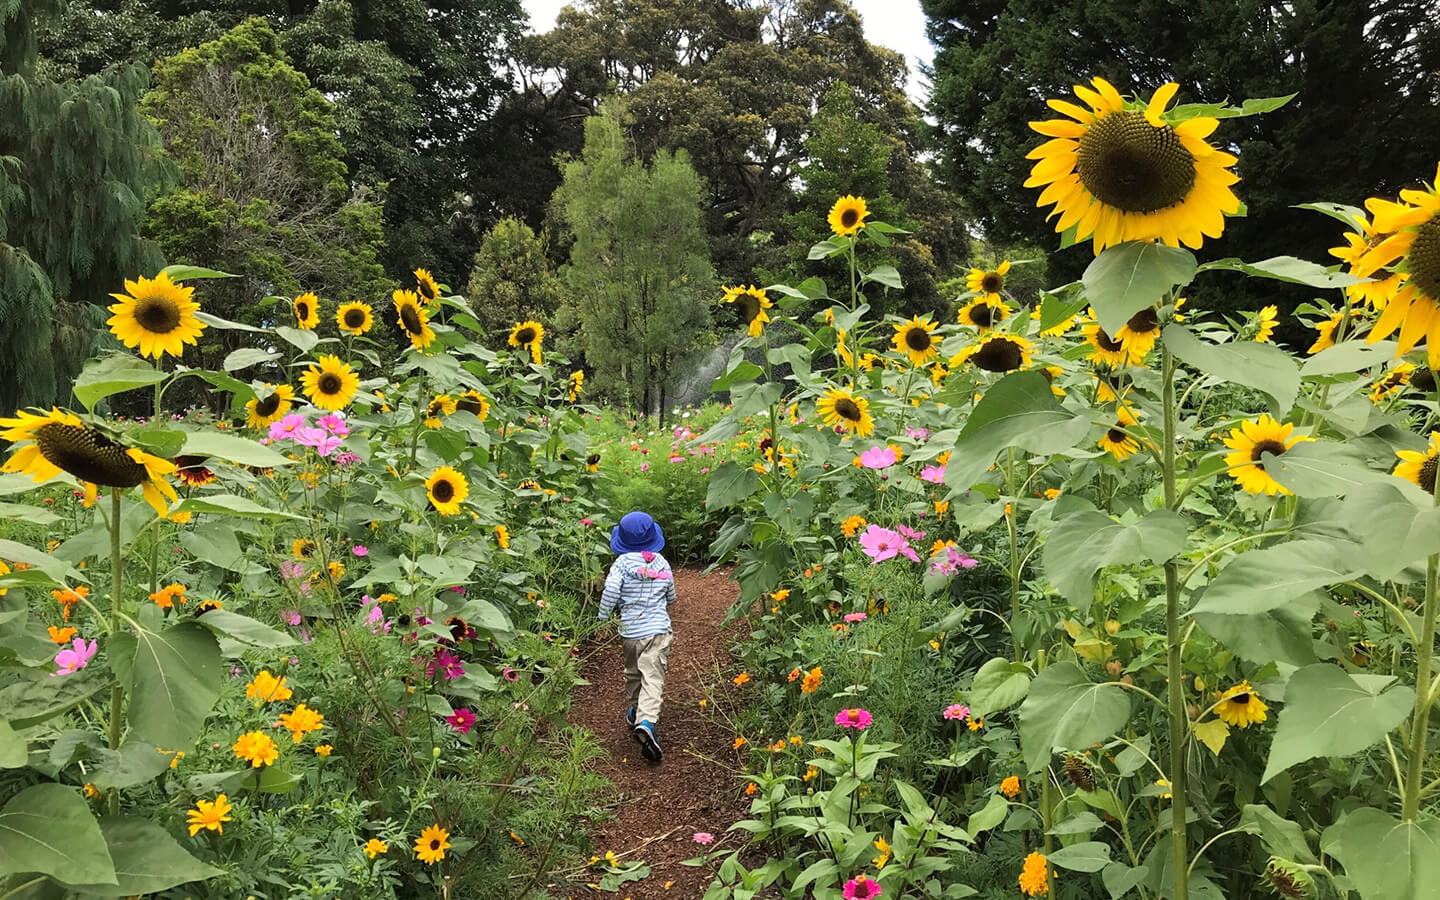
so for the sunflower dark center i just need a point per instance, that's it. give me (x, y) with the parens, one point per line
(749, 307)
(1275, 448)
(1424, 379)
(998, 356)
(354, 318)
(1424, 258)
(307, 549)
(159, 315)
(983, 315)
(302, 310)
(1427, 474)
(329, 383)
(849, 217)
(992, 282)
(427, 290)
(410, 320)
(592, 460)
(434, 843)
(436, 407)
(525, 335)
(268, 406)
(1106, 342)
(1116, 435)
(88, 455)
(1144, 322)
(848, 409)
(443, 491)
(1240, 699)
(918, 339)
(469, 404)
(1133, 166)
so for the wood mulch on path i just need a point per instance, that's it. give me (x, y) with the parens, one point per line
(695, 787)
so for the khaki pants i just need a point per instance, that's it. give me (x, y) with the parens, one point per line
(645, 663)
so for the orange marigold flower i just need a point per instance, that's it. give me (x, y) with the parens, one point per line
(61, 635)
(741, 678)
(812, 681)
(739, 742)
(1010, 787)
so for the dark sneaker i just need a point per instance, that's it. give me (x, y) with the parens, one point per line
(630, 717)
(649, 743)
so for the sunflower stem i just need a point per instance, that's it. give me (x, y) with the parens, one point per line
(1424, 651)
(1174, 646)
(1014, 554)
(117, 693)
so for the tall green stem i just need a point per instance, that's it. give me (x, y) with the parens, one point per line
(1179, 862)
(1014, 553)
(1424, 650)
(117, 693)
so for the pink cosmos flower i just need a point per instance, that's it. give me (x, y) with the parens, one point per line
(858, 719)
(360, 550)
(910, 533)
(462, 720)
(956, 712)
(285, 428)
(933, 474)
(292, 569)
(878, 458)
(335, 425)
(881, 544)
(290, 616)
(909, 553)
(704, 838)
(375, 615)
(852, 618)
(448, 663)
(75, 657)
(510, 674)
(323, 441)
(644, 467)
(917, 434)
(861, 888)
(345, 458)
(675, 459)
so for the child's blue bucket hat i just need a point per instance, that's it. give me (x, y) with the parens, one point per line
(636, 533)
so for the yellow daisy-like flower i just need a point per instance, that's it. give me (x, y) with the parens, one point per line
(261, 411)
(577, 385)
(502, 537)
(426, 286)
(751, 303)
(1418, 467)
(988, 283)
(1122, 173)
(1034, 876)
(1377, 293)
(528, 335)
(374, 847)
(1266, 323)
(1250, 442)
(1325, 332)
(431, 845)
(1391, 383)
(302, 721)
(592, 462)
(847, 216)
(1107, 351)
(256, 748)
(1139, 333)
(155, 315)
(916, 339)
(442, 405)
(473, 402)
(302, 548)
(354, 318)
(984, 313)
(839, 408)
(1240, 706)
(414, 319)
(323, 750)
(1116, 441)
(1001, 352)
(851, 525)
(209, 815)
(1412, 249)
(332, 384)
(1010, 786)
(266, 688)
(447, 489)
(307, 311)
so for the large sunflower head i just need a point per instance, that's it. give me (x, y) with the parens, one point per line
(1116, 440)
(1418, 467)
(427, 288)
(984, 312)
(847, 216)
(751, 303)
(354, 318)
(1120, 172)
(988, 282)
(1106, 350)
(1240, 706)
(1326, 330)
(414, 319)
(1377, 292)
(839, 408)
(1000, 352)
(307, 311)
(155, 315)
(529, 335)
(332, 384)
(1250, 442)
(272, 407)
(1138, 334)
(54, 442)
(447, 489)
(916, 339)
(473, 402)
(1411, 249)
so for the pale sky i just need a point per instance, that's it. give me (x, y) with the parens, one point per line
(897, 24)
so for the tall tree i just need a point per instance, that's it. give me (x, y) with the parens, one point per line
(639, 276)
(513, 280)
(77, 162)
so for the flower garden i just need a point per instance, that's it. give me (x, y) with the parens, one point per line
(1088, 594)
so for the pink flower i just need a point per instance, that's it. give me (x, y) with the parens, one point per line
(335, 425)
(675, 459)
(292, 569)
(933, 474)
(852, 618)
(360, 550)
(510, 674)
(462, 720)
(345, 458)
(644, 467)
(861, 888)
(323, 442)
(75, 657)
(911, 533)
(956, 712)
(909, 553)
(290, 616)
(375, 615)
(448, 663)
(587, 522)
(286, 427)
(918, 434)
(704, 838)
(878, 458)
(881, 544)
(857, 719)
(647, 555)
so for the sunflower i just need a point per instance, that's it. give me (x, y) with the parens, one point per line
(192, 471)
(1250, 441)
(989, 283)
(1110, 385)
(592, 462)
(1138, 334)
(577, 384)
(442, 405)
(1051, 373)
(1385, 284)
(1391, 383)
(916, 339)
(354, 318)
(1001, 352)
(984, 313)
(1108, 351)
(847, 216)
(302, 548)
(261, 411)
(1116, 441)
(751, 303)
(1419, 467)
(57, 441)
(447, 489)
(332, 385)
(1325, 332)
(431, 845)
(1423, 379)
(307, 311)
(1412, 249)
(156, 315)
(1239, 706)
(427, 288)
(473, 402)
(839, 408)
(528, 334)
(841, 351)
(414, 319)
(1058, 328)
(1265, 323)
(1122, 173)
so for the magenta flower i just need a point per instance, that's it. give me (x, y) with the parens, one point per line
(360, 550)
(910, 533)
(933, 474)
(324, 442)
(644, 467)
(918, 434)
(956, 711)
(290, 616)
(375, 615)
(881, 544)
(909, 553)
(292, 569)
(852, 618)
(448, 663)
(335, 425)
(462, 720)
(878, 458)
(647, 555)
(75, 657)
(285, 428)
(345, 458)
(861, 888)
(703, 838)
(587, 522)
(509, 674)
(858, 719)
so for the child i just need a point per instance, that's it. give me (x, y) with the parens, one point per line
(642, 587)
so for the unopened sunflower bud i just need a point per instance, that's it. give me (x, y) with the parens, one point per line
(1332, 626)
(1289, 880)
(1079, 772)
(1410, 603)
(1126, 679)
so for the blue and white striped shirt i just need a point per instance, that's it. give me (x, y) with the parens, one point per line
(642, 591)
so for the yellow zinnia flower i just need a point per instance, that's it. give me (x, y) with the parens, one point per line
(301, 721)
(209, 815)
(256, 748)
(1034, 876)
(155, 315)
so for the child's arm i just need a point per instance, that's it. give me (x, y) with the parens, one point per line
(610, 598)
(670, 588)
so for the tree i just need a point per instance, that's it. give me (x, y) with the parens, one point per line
(77, 163)
(639, 272)
(513, 280)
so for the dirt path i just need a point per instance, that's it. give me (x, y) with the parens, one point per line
(694, 789)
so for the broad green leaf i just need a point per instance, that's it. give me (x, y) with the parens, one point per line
(1084, 822)
(212, 321)
(998, 685)
(49, 829)
(1348, 356)
(1385, 858)
(192, 273)
(56, 569)
(1085, 542)
(29, 703)
(1261, 580)
(1252, 107)
(1330, 713)
(793, 513)
(1352, 216)
(301, 339)
(147, 859)
(1018, 411)
(113, 374)
(1132, 276)
(885, 275)
(24, 512)
(134, 763)
(1321, 469)
(231, 505)
(1279, 835)
(1065, 710)
(1120, 879)
(742, 372)
(246, 357)
(245, 629)
(748, 399)
(14, 753)
(1264, 367)
(1283, 634)
(826, 249)
(991, 815)
(233, 448)
(172, 678)
(1054, 310)
(1396, 523)
(1287, 268)
(1091, 856)
(729, 484)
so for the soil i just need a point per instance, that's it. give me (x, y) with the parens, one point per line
(695, 787)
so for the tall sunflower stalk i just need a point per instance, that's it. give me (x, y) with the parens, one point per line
(1174, 642)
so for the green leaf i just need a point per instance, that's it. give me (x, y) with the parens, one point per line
(147, 859)
(1289, 269)
(1260, 580)
(1132, 276)
(49, 829)
(1384, 858)
(998, 685)
(1348, 356)
(29, 703)
(246, 357)
(172, 678)
(301, 339)
(1084, 822)
(56, 569)
(233, 448)
(1264, 367)
(1084, 542)
(192, 273)
(1351, 216)
(1279, 835)
(742, 372)
(1253, 107)
(231, 505)
(1330, 713)
(1282, 634)
(1321, 469)
(991, 815)
(1018, 411)
(1396, 523)
(885, 275)
(134, 763)
(1090, 856)
(212, 321)
(245, 629)
(24, 512)
(748, 399)
(14, 753)
(729, 484)
(794, 513)
(1054, 310)
(1066, 710)
(826, 249)
(1120, 879)
(113, 374)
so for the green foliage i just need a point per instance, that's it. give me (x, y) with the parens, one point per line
(513, 279)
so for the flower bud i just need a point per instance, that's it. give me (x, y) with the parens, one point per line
(1112, 626)
(1114, 667)
(1288, 880)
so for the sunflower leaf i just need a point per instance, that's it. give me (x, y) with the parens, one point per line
(192, 273)
(1286, 571)
(114, 374)
(172, 677)
(48, 828)
(1288, 269)
(1083, 543)
(1350, 215)
(1348, 356)
(1018, 411)
(147, 859)
(234, 449)
(1253, 107)
(1384, 857)
(302, 339)
(1261, 366)
(1330, 713)
(1133, 276)
(1065, 710)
